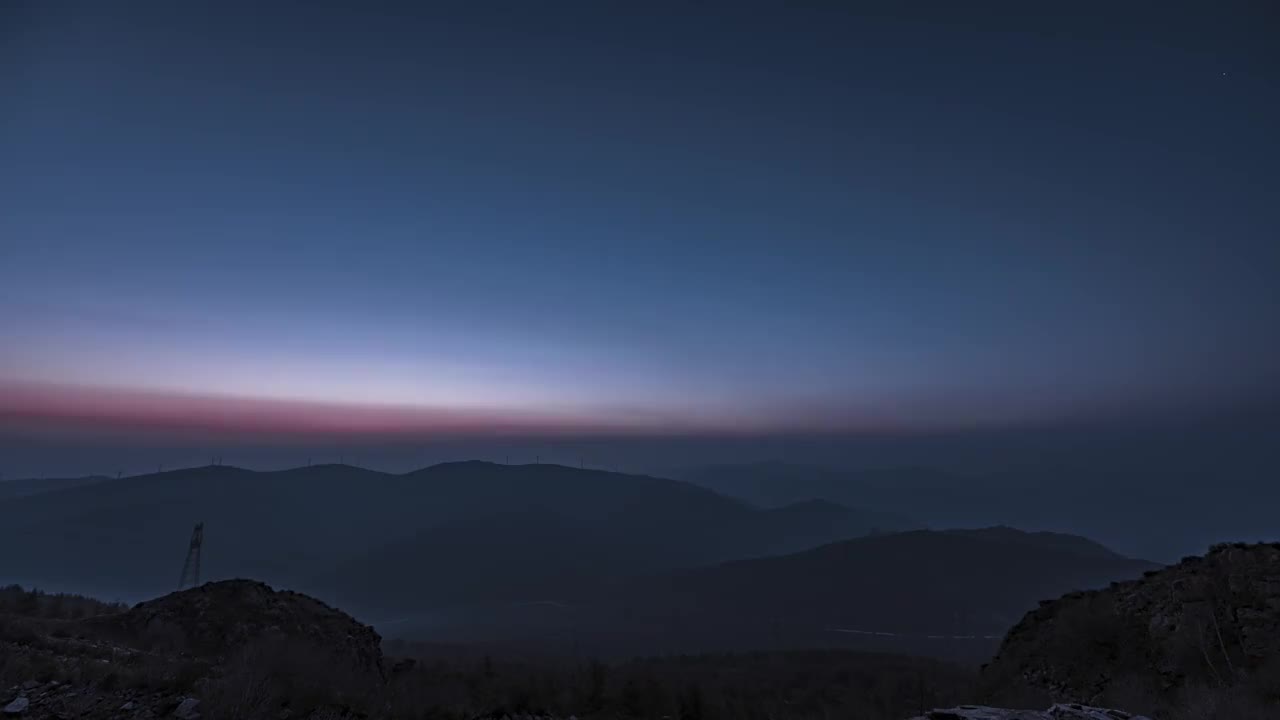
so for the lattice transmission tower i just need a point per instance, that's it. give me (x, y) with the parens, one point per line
(191, 568)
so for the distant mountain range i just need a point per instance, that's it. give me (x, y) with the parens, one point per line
(956, 582)
(556, 558)
(1181, 511)
(444, 535)
(943, 593)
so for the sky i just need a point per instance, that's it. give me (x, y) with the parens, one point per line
(394, 220)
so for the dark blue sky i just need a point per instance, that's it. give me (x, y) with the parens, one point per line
(683, 218)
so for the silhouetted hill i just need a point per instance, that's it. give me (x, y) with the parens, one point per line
(1073, 544)
(23, 487)
(127, 537)
(948, 594)
(1097, 497)
(553, 531)
(920, 582)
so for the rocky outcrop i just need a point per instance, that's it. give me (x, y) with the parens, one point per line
(217, 619)
(1211, 619)
(166, 658)
(42, 701)
(520, 716)
(35, 699)
(1069, 711)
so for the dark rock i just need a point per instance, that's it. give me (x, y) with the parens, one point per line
(1057, 712)
(216, 619)
(186, 709)
(1223, 610)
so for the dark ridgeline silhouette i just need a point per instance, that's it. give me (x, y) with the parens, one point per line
(518, 555)
(20, 487)
(1088, 499)
(550, 561)
(948, 594)
(303, 526)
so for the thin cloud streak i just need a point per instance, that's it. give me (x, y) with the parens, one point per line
(86, 409)
(134, 413)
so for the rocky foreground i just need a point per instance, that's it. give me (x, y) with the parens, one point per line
(57, 700)
(1069, 711)
(1211, 621)
(165, 658)
(182, 656)
(1196, 641)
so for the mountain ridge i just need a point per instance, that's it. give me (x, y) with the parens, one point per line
(878, 593)
(130, 532)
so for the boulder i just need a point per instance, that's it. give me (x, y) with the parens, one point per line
(1203, 621)
(215, 620)
(186, 709)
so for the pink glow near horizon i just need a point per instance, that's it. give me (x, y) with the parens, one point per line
(94, 409)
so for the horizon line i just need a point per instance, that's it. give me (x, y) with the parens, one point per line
(82, 411)
(310, 466)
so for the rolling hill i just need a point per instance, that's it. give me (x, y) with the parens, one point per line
(22, 487)
(556, 558)
(954, 582)
(940, 593)
(349, 531)
(1098, 499)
